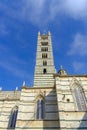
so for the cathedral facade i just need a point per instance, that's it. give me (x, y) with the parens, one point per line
(57, 101)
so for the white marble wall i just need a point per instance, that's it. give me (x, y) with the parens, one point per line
(70, 117)
(27, 109)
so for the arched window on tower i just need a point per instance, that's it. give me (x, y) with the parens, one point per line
(44, 49)
(13, 117)
(44, 43)
(44, 55)
(40, 109)
(44, 63)
(80, 98)
(44, 71)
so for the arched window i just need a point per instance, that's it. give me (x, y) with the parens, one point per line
(80, 98)
(13, 117)
(40, 109)
(44, 71)
(44, 49)
(44, 55)
(44, 63)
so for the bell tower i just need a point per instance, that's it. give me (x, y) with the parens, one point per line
(44, 68)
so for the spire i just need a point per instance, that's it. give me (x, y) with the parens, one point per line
(62, 71)
(39, 33)
(23, 83)
(61, 67)
(16, 88)
(49, 33)
(0, 88)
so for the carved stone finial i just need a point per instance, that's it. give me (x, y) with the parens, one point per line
(23, 83)
(0, 88)
(49, 33)
(61, 67)
(16, 88)
(39, 33)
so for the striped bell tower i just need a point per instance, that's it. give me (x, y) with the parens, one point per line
(44, 68)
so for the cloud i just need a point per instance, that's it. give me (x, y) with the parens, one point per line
(12, 64)
(47, 11)
(78, 66)
(50, 10)
(79, 45)
(75, 9)
(33, 10)
(42, 12)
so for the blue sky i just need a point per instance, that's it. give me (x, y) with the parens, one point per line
(20, 21)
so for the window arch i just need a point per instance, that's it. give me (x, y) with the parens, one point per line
(44, 55)
(44, 71)
(44, 49)
(44, 63)
(40, 109)
(80, 98)
(78, 95)
(13, 117)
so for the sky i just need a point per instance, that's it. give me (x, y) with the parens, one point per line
(20, 21)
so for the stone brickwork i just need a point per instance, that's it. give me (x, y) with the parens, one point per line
(71, 118)
(27, 109)
(44, 60)
(8, 100)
